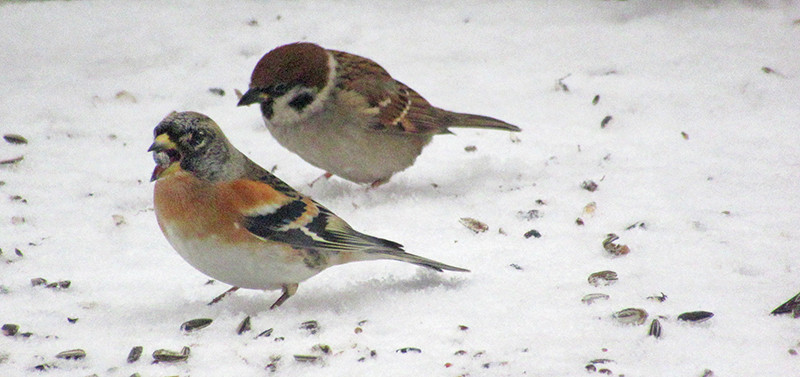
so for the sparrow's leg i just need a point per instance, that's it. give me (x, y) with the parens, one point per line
(327, 175)
(218, 298)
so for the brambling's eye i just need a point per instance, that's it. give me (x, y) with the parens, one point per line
(195, 139)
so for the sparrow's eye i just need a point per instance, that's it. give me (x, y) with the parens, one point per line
(278, 90)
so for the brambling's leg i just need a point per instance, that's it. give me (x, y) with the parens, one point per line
(288, 291)
(327, 175)
(218, 298)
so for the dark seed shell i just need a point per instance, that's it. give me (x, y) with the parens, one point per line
(629, 316)
(788, 306)
(697, 317)
(15, 139)
(135, 354)
(266, 333)
(10, 329)
(306, 358)
(311, 326)
(72, 354)
(171, 356)
(603, 278)
(196, 324)
(655, 329)
(244, 326)
(409, 350)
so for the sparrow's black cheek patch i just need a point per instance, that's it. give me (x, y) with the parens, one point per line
(301, 101)
(266, 108)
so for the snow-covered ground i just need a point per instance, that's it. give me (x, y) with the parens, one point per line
(703, 148)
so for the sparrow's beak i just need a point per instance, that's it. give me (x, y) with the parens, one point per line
(164, 153)
(253, 96)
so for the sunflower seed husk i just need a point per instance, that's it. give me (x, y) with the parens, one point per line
(196, 324)
(266, 333)
(244, 326)
(312, 326)
(409, 350)
(630, 316)
(15, 139)
(306, 358)
(605, 121)
(72, 354)
(171, 356)
(788, 306)
(10, 329)
(589, 185)
(473, 224)
(655, 329)
(592, 297)
(696, 317)
(12, 160)
(135, 354)
(603, 278)
(613, 248)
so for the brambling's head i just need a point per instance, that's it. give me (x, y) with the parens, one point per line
(192, 142)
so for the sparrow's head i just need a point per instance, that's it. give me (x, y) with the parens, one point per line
(289, 80)
(192, 142)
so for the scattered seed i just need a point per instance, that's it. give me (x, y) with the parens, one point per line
(118, 219)
(589, 185)
(613, 248)
(10, 329)
(460, 353)
(579, 221)
(266, 333)
(44, 367)
(409, 350)
(655, 329)
(591, 368)
(792, 351)
(638, 224)
(72, 354)
(12, 160)
(590, 208)
(708, 373)
(596, 99)
(560, 85)
(244, 326)
(15, 139)
(788, 306)
(532, 233)
(684, 135)
(279, 339)
(72, 320)
(473, 224)
(135, 354)
(312, 326)
(18, 198)
(629, 316)
(529, 215)
(38, 281)
(516, 266)
(218, 91)
(18, 252)
(606, 277)
(306, 358)
(324, 348)
(125, 96)
(196, 324)
(358, 330)
(605, 371)
(171, 356)
(659, 297)
(470, 148)
(605, 121)
(463, 328)
(696, 317)
(592, 297)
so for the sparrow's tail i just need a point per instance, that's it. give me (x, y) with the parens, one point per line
(462, 120)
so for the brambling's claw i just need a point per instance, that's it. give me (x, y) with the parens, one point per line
(219, 298)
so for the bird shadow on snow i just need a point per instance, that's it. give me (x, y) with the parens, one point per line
(347, 297)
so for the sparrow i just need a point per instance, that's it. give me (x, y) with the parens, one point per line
(345, 114)
(237, 223)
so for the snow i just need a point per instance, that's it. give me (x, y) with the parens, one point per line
(85, 82)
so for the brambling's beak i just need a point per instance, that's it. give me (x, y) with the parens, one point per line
(164, 154)
(252, 96)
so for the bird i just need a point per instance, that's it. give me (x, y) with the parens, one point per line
(237, 223)
(345, 114)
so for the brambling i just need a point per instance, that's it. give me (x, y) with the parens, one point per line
(237, 223)
(345, 114)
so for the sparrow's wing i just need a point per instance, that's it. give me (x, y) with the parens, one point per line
(395, 106)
